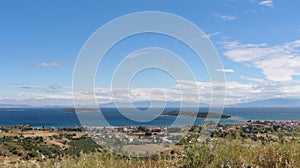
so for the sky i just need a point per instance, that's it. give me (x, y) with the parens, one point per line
(258, 42)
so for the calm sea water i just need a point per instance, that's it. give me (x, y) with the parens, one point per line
(56, 117)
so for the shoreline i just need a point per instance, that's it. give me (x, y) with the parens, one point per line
(238, 122)
(70, 140)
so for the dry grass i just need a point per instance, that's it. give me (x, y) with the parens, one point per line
(219, 153)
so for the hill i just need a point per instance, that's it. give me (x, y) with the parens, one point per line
(277, 102)
(145, 104)
(196, 114)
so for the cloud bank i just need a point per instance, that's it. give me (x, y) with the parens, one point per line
(278, 63)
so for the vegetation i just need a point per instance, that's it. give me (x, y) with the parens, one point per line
(220, 153)
(196, 114)
(251, 145)
(82, 145)
(28, 147)
(38, 148)
(238, 153)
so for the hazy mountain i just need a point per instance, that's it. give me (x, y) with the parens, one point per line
(278, 102)
(13, 105)
(145, 104)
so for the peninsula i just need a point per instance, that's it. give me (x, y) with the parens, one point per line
(195, 114)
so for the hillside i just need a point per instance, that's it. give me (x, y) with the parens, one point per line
(277, 102)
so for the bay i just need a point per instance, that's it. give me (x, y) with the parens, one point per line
(57, 117)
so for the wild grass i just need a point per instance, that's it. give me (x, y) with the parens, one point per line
(217, 153)
(237, 153)
(108, 160)
(237, 149)
(221, 152)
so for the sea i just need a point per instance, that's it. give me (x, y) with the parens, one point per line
(58, 117)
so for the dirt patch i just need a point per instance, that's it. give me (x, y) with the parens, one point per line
(144, 149)
(38, 133)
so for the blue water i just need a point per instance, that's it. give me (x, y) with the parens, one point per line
(56, 117)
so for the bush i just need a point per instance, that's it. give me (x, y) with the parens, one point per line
(32, 154)
(83, 144)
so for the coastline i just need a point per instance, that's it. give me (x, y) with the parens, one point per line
(73, 140)
(50, 117)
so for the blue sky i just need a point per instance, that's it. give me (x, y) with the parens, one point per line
(257, 40)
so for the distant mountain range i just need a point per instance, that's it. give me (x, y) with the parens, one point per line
(13, 105)
(277, 102)
(143, 104)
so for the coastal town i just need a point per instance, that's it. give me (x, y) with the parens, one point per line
(261, 130)
(25, 142)
(140, 140)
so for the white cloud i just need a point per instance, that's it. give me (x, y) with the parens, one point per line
(267, 3)
(23, 86)
(250, 11)
(225, 70)
(278, 63)
(136, 54)
(50, 64)
(55, 86)
(213, 34)
(185, 90)
(253, 79)
(197, 91)
(226, 17)
(210, 35)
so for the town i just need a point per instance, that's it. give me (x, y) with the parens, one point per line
(25, 142)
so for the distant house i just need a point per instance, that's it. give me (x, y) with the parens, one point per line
(153, 129)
